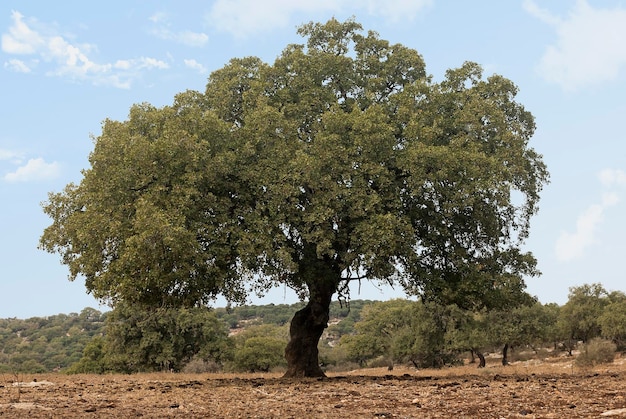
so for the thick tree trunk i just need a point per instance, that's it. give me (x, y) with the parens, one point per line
(305, 331)
(505, 354)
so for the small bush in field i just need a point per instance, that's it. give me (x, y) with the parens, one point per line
(380, 362)
(597, 351)
(199, 366)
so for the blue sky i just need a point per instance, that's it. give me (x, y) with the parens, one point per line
(66, 66)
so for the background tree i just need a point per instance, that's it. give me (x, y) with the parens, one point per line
(553, 330)
(340, 161)
(579, 318)
(525, 325)
(376, 331)
(259, 348)
(427, 338)
(160, 339)
(613, 319)
(93, 360)
(470, 334)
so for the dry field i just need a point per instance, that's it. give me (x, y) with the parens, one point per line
(551, 389)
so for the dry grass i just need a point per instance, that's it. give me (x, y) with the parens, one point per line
(550, 388)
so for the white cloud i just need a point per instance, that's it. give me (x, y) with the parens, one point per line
(34, 169)
(21, 39)
(193, 39)
(189, 38)
(66, 59)
(395, 10)
(572, 245)
(612, 177)
(194, 65)
(162, 30)
(542, 14)
(18, 66)
(149, 63)
(9, 155)
(158, 17)
(589, 49)
(245, 17)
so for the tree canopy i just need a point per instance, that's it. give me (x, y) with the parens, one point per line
(343, 160)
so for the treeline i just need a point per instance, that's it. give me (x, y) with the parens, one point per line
(127, 340)
(53, 343)
(431, 335)
(361, 334)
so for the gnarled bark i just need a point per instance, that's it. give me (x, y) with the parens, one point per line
(305, 331)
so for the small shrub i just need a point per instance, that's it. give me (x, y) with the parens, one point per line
(201, 366)
(597, 351)
(259, 354)
(380, 362)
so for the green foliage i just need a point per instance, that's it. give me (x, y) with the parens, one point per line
(404, 331)
(613, 320)
(278, 314)
(369, 333)
(426, 340)
(342, 314)
(260, 348)
(552, 328)
(45, 341)
(93, 359)
(259, 354)
(596, 351)
(341, 157)
(376, 330)
(44, 344)
(161, 339)
(579, 317)
(519, 326)
(342, 160)
(154, 340)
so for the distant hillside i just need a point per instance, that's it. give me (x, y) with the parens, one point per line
(53, 343)
(43, 344)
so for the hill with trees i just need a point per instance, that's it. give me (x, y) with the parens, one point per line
(361, 334)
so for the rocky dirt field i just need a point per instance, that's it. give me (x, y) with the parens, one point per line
(531, 389)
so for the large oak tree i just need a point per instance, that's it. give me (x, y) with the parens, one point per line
(341, 161)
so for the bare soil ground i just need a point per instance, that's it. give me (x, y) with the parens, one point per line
(554, 389)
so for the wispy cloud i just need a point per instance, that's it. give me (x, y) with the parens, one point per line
(243, 18)
(34, 170)
(573, 245)
(393, 10)
(194, 65)
(140, 64)
(613, 177)
(66, 59)
(162, 29)
(192, 39)
(9, 155)
(17, 66)
(589, 48)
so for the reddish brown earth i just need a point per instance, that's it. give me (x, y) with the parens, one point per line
(522, 390)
